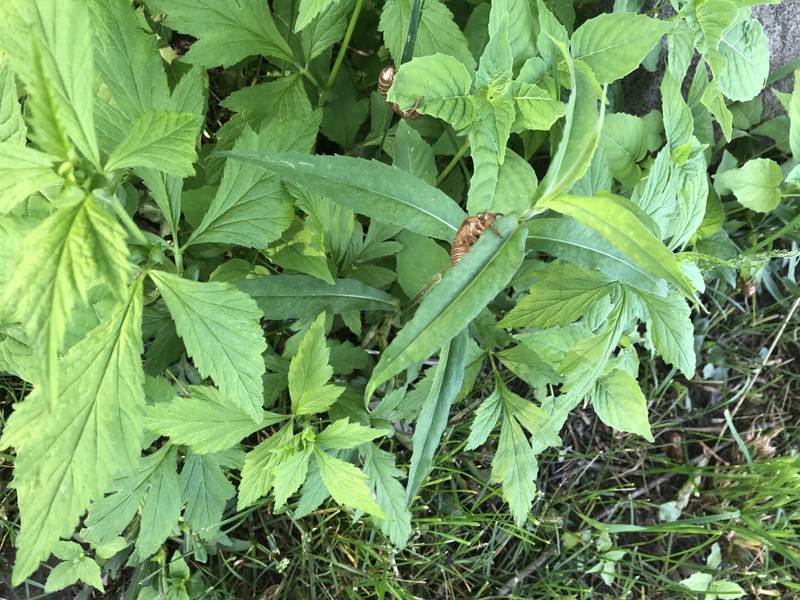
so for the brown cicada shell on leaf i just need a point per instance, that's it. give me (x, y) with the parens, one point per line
(469, 232)
(385, 81)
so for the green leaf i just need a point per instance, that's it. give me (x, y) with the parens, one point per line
(698, 582)
(586, 361)
(206, 421)
(794, 118)
(412, 154)
(343, 434)
(310, 371)
(162, 505)
(624, 143)
(485, 420)
(68, 453)
(217, 23)
(612, 217)
(745, 48)
(678, 121)
(432, 420)
(756, 184)
(437, 85)
(670, 330)
(620, 404)
(109, 516)
(166, 191)
(76, 247)
(528, 366)
(726, 589)
(326, 29)
(308, 10)
(258, 472)
(419, 262)
(22, 172)
(389, 493)
(451, 305)
(536, 107)
(347, 484)
(290, 475)
(569, 240)
(522, 25)
(714, 102)
(130, 68)
(437, 33)
(514, 189)
(488, 137)
(374, 189)
(250, 207)
(12, 125)
(65, 574)
(514, 466)
(205, 490)
(282, 98)
(220, 327)
(50, 46)
(584, 122)
(158, 140)
(288, 296)
(529, 415)
(714, 17)
(550, 29)
(496, 65)
(605, 43)
(563, 294)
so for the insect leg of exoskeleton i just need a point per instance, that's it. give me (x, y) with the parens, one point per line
(494, 229)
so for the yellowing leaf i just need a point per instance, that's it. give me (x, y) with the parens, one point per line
(347, 484)
(77, 246)
(310, 371)
(68, 453)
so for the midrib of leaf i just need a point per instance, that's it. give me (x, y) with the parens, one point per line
(593, 250)
(90, 415)
(87, 137)
(739, 52)
(249, 156)
(474, 281)
(224, 209)
(582, 56)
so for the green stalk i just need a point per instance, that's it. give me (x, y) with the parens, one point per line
(411, 37)
(795, 222)
(122, 215)
(345, 43)
(453, 162)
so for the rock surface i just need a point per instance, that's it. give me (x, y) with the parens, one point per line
(782, 25)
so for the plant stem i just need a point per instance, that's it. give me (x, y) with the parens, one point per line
(123, 216)
(411, 37)
(785, 229)
(177, 253)
(345, 43)
(453, 162)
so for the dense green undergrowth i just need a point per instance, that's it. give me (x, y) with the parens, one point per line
(242, 365)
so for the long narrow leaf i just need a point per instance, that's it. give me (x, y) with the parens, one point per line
(432, 420)
(370, 188)
(450, 306)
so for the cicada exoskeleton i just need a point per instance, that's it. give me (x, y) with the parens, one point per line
(471, 229)
(385, 81)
